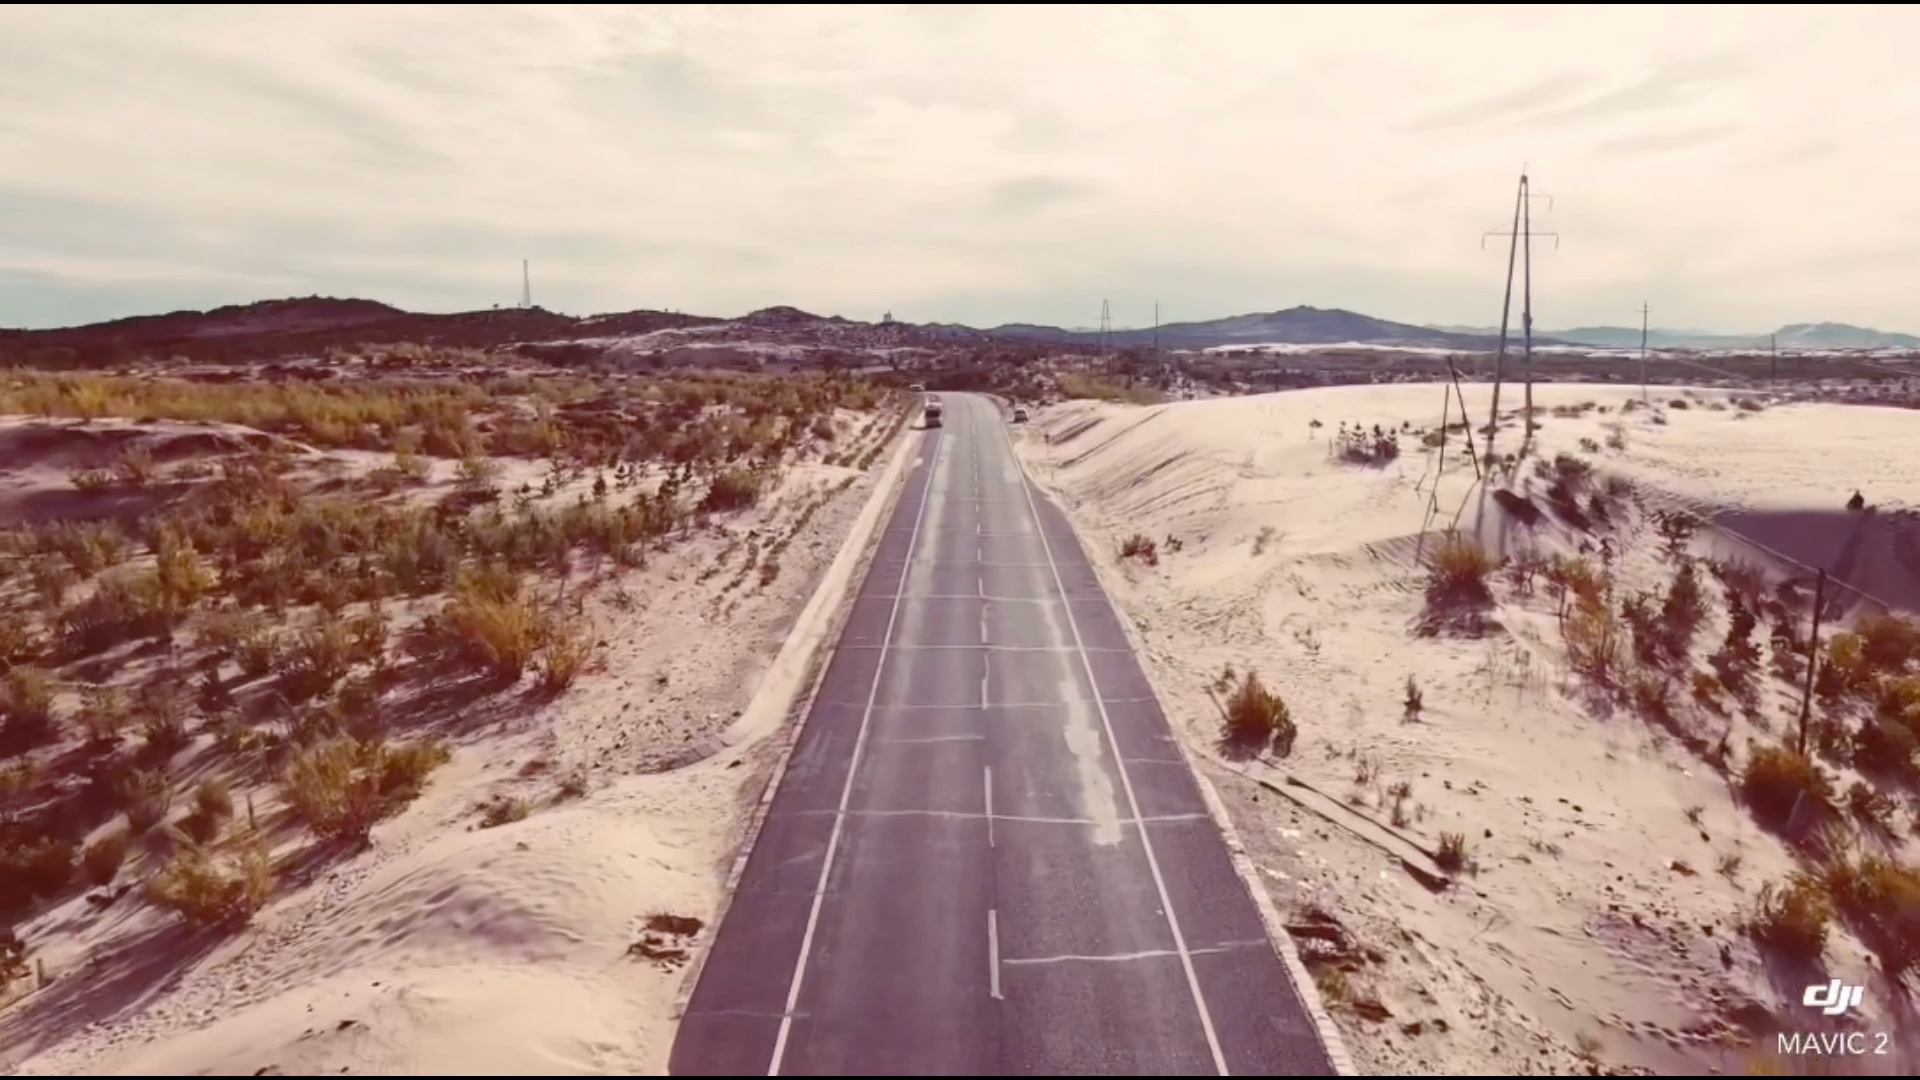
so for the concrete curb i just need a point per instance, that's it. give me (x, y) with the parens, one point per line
(818, 624)
(1309, 992)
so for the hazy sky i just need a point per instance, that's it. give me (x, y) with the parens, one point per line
(1736, 166)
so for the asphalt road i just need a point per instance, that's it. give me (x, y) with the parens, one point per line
(987, 856)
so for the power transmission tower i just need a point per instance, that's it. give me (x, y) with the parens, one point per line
(1520, 240)
(526, 285)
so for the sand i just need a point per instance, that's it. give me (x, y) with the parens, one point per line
(552, 945)
(1600, 927)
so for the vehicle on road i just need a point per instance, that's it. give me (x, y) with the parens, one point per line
(933, 412)
(1020, 414)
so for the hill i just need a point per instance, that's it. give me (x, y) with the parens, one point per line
(1293, 326)
(271, 329)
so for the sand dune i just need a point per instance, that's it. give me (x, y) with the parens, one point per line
(550, 940)
(1612, 860)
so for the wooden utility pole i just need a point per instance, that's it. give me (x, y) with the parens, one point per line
(1506, 312)
(1813, 658)
(1526, 308)
(1644, 310)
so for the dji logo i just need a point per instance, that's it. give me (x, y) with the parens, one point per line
(1833, 998)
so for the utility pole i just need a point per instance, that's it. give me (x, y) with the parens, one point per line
(1526, 307)
(526, 285)
(1773, 368)
(1106, 327)
(1506, 309)
(1156, 328)
(1643, 352)
(1522, 231)
(1813, 658)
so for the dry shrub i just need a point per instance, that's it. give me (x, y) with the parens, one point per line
(1457, 575)
(32, 867)
(1140, 546)
(102, 859)
(208, 888)
(1880, 899)
(27, 715)
(104, 713)
(1258, 719)
(341, 788)
(1780, 785)
(501, 634)
(564, 653)
(1452, 855)
(734, 489)
(1792, 919)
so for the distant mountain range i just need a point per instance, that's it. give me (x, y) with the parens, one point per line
(1795, 337)
(1294, 326)
(312, 325)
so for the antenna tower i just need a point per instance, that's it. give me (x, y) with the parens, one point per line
(526, 285)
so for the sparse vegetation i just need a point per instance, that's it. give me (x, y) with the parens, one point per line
(222, 599)
(1362, 446)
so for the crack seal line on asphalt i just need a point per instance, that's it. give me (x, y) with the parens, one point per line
(853, 771)
(1126, 781)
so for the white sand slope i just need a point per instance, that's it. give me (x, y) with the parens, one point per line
(1612, 862)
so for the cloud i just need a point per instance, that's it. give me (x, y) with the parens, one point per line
(1660, 142)
(1521, 101)
(1026, 194)
(952, 161)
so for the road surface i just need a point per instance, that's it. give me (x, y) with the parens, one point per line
(987, 856)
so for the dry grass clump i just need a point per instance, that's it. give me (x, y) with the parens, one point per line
(214, 888)
(1457, 572)
(498, 626)
(1783, 788)
(1142, 547)
(1792, 918)
(342, 788)
(1257, 719)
